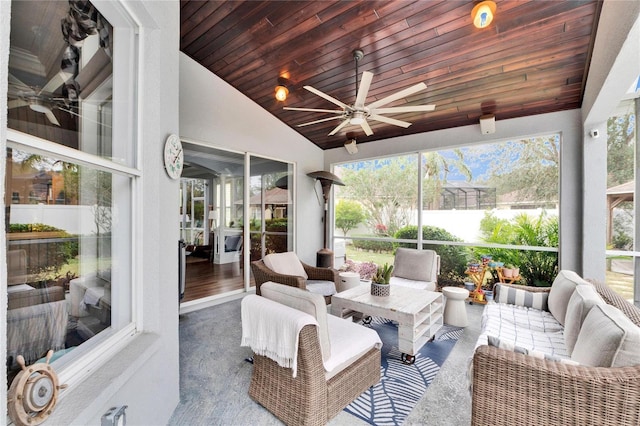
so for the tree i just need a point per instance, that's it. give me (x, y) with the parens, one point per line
(529, 167)
(348, 215)
(435, 169)
(620, 149)
(387, 188)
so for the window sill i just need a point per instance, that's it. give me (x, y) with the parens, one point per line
(84, 403)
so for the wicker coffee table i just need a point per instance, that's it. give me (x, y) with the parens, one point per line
(418, 313)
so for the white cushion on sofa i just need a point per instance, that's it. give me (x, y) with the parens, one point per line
(607, 338)
(305, 301)
(285, 263)
(561, 291)
(583, 299)
(529, 328)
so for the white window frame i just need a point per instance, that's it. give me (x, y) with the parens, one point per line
(83, 361)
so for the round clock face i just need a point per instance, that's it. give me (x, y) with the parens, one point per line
(173, 156)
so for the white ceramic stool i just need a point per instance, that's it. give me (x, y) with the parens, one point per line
(455, 311)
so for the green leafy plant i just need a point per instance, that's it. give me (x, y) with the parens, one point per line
(383, 274)
(537, 268)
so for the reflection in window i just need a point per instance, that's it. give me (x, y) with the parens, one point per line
(59, 253)
(60, 75)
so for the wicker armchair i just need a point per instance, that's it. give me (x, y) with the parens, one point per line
(262, 274)
(511, 388)
(311, 398)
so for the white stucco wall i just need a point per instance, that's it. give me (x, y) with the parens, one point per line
(615, 64)
(567, 123)
(214, 113)
(144, 375)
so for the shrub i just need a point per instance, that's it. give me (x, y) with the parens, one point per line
(47, 257)
(372, 245)
(452, 258)
(538, 268)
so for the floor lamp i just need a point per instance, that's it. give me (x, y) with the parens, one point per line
(324, 257)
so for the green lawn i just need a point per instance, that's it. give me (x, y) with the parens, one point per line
(621, 283)
(365, 256)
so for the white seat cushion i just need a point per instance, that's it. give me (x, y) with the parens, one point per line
(418, 285)
(529, 328)
(325, 288)
(349, 341)
(285, 263)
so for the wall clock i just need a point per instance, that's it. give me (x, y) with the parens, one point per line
(173, 156)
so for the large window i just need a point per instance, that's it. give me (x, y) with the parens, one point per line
(621, 186)
(498, 199)
(70, 183)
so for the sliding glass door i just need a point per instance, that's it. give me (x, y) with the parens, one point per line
(271, 210)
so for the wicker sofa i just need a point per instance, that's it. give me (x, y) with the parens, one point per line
(510, 388)
(296, 274)
(337, 359)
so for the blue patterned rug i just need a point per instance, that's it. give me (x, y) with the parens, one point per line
(401, 386)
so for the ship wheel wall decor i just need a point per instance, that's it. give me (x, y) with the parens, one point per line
(33, 394)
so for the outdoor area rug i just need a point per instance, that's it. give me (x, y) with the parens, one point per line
(401, 386)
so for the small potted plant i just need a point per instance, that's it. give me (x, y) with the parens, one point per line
(380, 281)
(507, 271)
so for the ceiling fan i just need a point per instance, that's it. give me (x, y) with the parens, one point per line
(39, 100)
(359, 113)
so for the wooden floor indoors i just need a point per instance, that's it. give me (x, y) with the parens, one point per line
(204, 278)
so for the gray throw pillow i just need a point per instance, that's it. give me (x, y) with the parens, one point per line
(607, 339)
(519, 297)
(583, 299)
(561, 291)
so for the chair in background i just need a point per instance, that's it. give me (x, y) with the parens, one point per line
(287, 268)
(416, 268)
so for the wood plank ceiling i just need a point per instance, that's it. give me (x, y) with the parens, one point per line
(532, 59)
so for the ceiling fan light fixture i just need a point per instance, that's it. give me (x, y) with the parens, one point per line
(281, 91)
(482, 13)
(357, 118)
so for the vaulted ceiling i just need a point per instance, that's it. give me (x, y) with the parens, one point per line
(532, 59)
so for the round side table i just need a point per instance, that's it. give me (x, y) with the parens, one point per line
(455, 311)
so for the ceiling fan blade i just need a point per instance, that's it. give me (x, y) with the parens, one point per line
(340, 126)
(363, 90)
(17, 82)
(388, 120)
(393, 110)
(366, 128)
(16, 103)
(331, 111)
(84, 118)
(399, 95)
(52, 118)
(55, 82)
(327, 97)
(317, 121)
